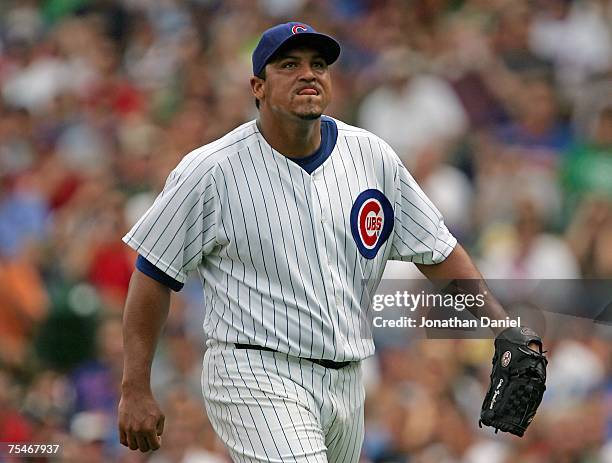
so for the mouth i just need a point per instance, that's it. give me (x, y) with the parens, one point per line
(308, 91)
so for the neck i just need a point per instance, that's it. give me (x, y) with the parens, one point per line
(294, 138)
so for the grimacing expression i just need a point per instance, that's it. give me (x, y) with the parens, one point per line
(296, 83)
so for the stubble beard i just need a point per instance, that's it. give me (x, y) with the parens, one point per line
(309, 113)
(309, 110)
(311, 116)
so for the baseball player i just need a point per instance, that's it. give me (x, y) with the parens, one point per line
(283, 218)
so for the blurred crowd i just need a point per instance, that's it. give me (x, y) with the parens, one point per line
(501, 109)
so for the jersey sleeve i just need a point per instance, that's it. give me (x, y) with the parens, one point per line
(179, 228)
(419, 233)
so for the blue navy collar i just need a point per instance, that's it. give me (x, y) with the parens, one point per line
(329, 136)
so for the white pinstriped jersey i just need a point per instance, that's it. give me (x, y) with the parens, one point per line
(283, 254)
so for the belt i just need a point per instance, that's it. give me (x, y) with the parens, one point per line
(323, 362)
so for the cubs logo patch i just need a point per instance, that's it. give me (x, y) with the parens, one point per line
(371, 222)
(298, 28)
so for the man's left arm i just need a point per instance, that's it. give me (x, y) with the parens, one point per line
(461, 273)
(519, 375)
(519, 365)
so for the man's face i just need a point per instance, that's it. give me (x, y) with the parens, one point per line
(297, 84)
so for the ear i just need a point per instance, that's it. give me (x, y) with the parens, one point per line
(257, 87)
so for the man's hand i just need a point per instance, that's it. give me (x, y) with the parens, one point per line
(141, 422)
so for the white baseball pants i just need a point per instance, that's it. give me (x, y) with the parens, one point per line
(271, 407)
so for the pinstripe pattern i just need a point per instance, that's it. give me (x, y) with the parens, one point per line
(270, 407)
(280, 267)
(273, 244)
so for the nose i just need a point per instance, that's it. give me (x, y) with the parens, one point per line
(308, 73)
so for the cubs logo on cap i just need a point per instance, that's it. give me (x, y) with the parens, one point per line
(298, 28)
(371, 222)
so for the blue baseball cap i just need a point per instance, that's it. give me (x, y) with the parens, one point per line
(291, 35)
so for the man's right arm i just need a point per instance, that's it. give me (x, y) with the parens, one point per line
(141, 421)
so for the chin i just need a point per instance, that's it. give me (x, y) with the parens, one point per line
(310, 116)
(309, 113)
(307, 108)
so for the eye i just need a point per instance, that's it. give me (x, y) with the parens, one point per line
(319, 65)
(289, 65)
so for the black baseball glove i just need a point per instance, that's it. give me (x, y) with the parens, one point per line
(517, 382)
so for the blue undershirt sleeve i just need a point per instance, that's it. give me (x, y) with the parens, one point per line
(152, 271)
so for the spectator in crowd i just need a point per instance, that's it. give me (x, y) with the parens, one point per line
(411, 108)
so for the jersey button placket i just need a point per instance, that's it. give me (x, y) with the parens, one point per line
(319, 183)
(327, 224)
(322, 217)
